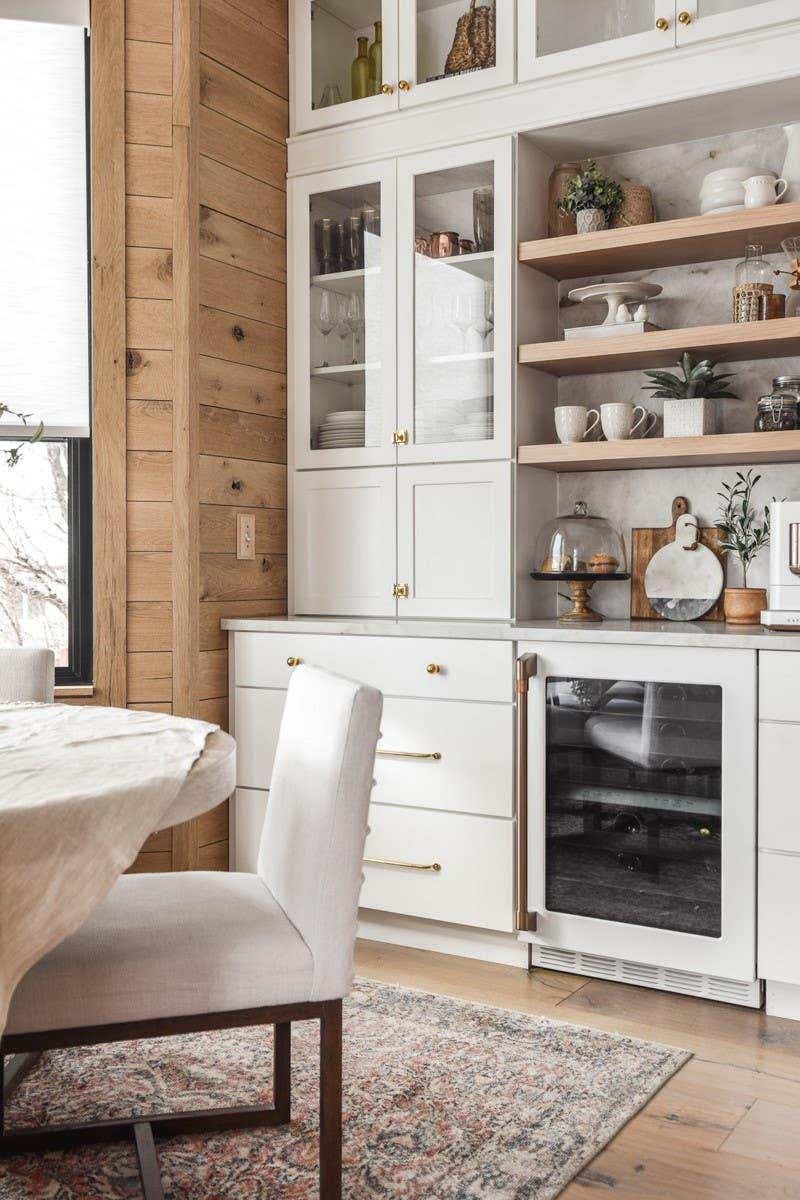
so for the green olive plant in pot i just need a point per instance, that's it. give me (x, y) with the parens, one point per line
(744, 533)
(592, 197)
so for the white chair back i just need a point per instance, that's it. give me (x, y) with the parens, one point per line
(312, 845)
(27, 675)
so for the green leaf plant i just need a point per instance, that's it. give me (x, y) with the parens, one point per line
(742, 532)
(696, 379)
(590, 188)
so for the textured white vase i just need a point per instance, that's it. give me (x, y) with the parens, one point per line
(791, 166)
(589, 220)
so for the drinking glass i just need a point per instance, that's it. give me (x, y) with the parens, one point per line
(480, 320)
(483, 217)
(463, 316)
(488, 308)
(353, 249)
(330, 95)
(355, 321)
(322, 314)
(342, 326)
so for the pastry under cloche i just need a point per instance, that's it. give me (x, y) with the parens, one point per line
(580, 549)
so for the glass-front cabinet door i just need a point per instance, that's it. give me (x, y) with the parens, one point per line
(454, 287)
(697, 20)
(568, 35)
(344, 59)
(454, 47)
(643, 786)
(343, 304)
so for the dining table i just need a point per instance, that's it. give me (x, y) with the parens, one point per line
(81, 790)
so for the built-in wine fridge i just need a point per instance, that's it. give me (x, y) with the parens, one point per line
(637, 858)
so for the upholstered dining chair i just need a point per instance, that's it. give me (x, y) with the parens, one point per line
(27, 675)
(189, 951)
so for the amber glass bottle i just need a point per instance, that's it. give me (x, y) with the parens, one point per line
(359, 72)
(376, 60)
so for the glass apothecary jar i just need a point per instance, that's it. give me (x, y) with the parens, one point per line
(780, 410)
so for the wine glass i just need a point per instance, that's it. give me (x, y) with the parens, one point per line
(322, 313)
(355, 320)
(463, 316)
(342, 327)
(488, 309)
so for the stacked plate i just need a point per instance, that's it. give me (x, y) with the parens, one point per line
(341, 430)
(477, 427)
(435, 420)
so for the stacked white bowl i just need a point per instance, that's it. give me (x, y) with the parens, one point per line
(723, 190)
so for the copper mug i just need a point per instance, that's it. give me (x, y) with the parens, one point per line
(465, 246)
(444, 244)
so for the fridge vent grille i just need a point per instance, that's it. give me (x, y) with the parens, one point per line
(665, 979)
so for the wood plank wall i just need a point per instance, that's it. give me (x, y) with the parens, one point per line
(206, 118)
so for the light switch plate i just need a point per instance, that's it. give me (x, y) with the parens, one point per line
(245, 535)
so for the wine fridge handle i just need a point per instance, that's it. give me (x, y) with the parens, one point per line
(526, 668)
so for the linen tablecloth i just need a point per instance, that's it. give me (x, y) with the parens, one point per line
(81, 788)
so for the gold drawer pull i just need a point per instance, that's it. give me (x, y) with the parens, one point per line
(434, 756)
(685, 18)
(293, 662)
(396, 862)
(433, 669)
(404, 85)
(387, 89)
(662, 24)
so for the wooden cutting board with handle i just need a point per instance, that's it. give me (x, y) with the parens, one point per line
(646, 542)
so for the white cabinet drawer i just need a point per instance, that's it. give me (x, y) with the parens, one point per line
(778, 935)
(475, 883)
(779, 685)
(778, 799)
(468, 670)
(250, 809)
(474, 770)
(257, 716)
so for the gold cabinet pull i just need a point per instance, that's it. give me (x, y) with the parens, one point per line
(387, 89)
(396, 862)
(685, 17)
(404, 85)
(433, 756)
(433, 669)
(400, 437)
(400, 591)
(293, 662)
(663, 24)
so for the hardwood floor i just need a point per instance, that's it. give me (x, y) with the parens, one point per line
(726, 1127)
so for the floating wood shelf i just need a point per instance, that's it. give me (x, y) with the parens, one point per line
(663, 347)
(663, 243)
(712, 450)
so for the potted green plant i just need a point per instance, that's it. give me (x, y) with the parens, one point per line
(593, 198)
(690, 398)
(743, 534)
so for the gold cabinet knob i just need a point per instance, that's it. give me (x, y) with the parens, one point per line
(404, 85)
(400, 591)
(685, 18)
(293, 662)
(387, 89)
(433, 668)
(663, 24)
(400, 437)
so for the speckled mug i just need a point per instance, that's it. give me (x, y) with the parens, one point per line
(572, 422)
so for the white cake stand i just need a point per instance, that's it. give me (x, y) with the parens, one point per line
(616, 294)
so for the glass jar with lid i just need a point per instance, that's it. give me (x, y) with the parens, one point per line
(754, 283)
(780, 410)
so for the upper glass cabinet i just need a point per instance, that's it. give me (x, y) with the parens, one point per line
(454, 256)
(568, 35)
(359, 58)
(696, 20)
(344, 318)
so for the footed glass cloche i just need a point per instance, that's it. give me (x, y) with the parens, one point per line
(580, 550)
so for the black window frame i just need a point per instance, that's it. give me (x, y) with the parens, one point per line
(79, 565)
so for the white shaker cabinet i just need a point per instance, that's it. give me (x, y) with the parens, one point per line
(344, 539)
(698, 20)
(416, 37)
(575, 35)
(422, 541)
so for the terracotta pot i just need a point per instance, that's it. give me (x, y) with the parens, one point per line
(743, 606)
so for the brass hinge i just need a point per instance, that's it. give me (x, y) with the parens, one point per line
(400, 437)
(400, 591)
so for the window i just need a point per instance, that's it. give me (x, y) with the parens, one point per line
(45, 456)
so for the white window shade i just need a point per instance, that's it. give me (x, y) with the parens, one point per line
(44, 307)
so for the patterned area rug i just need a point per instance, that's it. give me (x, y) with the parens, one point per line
(444, 1100)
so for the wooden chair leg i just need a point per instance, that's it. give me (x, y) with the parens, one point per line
(282, 1073)
(330, 1102)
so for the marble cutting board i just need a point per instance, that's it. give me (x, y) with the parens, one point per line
(645, 543)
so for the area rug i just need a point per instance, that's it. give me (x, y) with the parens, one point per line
(444, 1100)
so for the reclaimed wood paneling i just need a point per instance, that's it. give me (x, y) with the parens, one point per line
(148, 119)
(149, 425)
(149, 626)
(242, 149)
(236, 195)
(242, 435)
(213, 857)
(148, 67)
(148, 20)
(148, 221)
(246, 46)
(213, 674)
(239, 482)
(218, 529)
(149, 525)
(148, 170)
(148, 274)
(245, 102)
(241, 339)
(242, 292)
(150, 324)
(242, 245)
(149, 475)
(149, 576)
(236, 385)
(149, 677)
(224, 577)
(148, 374)
(212, 612)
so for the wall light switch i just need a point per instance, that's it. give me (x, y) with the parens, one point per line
(245, 535)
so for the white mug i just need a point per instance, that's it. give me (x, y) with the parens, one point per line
(572, 422)
(619, 421)
(761, 190)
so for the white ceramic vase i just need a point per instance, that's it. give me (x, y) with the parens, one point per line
(791, 166)
(590, 220)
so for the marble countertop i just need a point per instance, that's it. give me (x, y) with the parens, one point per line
(647, 633)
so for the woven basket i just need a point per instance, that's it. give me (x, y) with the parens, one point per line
(637, 206)
(473, 45)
